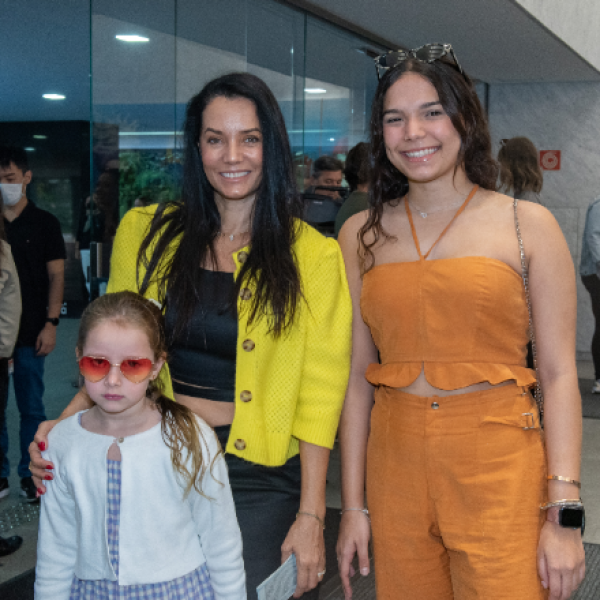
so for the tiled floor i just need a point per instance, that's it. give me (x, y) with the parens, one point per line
(61, 371)
(590, 478)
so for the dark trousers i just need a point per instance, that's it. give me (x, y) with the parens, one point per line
(3, 397)
(28, 383)
(266, 501)
(592, 285)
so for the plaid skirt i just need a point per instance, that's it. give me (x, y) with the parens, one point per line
(193, 586)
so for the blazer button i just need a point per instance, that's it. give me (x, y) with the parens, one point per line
(245, 396)
(240, 445)
(248, 345)
(245, 294)
(242, 256)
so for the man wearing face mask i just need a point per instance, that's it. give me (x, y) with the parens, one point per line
(39, 252)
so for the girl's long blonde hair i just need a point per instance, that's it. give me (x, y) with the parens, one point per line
(180, 429)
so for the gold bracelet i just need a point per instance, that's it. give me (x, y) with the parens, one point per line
(308, 514)
(563, 502)
(565, 479)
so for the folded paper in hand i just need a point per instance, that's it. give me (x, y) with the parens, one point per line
(281, 584)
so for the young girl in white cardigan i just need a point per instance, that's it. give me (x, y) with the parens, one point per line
(140, 506)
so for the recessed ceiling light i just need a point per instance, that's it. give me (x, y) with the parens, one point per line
(54, 96)
(332, 139)
(29, 149)
(132, 38)
(315, 91)
(40, 137)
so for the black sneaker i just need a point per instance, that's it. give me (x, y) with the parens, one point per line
(29, 490)
(10, 545)
(4, 488)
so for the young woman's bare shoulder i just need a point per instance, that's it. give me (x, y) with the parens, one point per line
(348, 235)
(534, 215)
(530, 213)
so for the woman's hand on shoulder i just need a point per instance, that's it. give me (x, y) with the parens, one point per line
(40, 468)
(561, 560)
(353, 539)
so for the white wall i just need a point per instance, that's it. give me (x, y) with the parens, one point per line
(576, 22)
(563, 117)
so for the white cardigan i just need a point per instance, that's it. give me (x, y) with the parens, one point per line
(162, 536)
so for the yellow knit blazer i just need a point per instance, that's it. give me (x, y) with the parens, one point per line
(286, 389)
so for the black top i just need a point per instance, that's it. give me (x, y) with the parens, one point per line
(202, 358)
(35, 239)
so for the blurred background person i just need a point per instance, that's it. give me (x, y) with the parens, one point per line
(520, 173)
(142, 201)
(38, 249)
(10, 314)
(589, 269)
(357, 172)
(326, 171)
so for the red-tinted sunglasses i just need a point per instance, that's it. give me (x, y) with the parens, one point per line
(95, 369)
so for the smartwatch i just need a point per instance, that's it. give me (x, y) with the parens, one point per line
(54, 321)
(571, 517)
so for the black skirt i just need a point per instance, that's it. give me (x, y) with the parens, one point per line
(266, 502)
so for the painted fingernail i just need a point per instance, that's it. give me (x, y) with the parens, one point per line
(48, 477)
(364, 571)
(40, 492)
(42, 446)
(50, 467)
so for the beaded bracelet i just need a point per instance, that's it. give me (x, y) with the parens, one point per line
(365, 511)
(565, 502)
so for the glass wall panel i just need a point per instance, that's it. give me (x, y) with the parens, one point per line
(46, 50)
(340, 84)
(133, 59)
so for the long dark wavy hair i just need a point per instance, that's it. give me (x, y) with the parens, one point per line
(271, 265)
(459, 99)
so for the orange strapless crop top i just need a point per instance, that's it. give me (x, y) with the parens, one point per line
(461, 320)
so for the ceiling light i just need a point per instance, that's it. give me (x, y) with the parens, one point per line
(29, 149)
(40, 137)
(132, 38)
(315, 91)
(332, 139)
(54, 96)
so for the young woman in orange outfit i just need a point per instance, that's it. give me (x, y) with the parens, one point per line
(458, 471)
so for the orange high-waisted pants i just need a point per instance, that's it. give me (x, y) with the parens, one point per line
(454, 486)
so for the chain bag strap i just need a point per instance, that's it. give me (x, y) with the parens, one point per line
(538, 395)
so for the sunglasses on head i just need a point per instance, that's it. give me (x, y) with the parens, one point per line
(428, 53)
(95, 369)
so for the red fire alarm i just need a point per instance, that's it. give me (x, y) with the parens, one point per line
(550, 160)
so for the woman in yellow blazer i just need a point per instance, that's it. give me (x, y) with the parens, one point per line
(258, 318)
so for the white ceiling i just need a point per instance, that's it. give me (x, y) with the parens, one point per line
(497, 41)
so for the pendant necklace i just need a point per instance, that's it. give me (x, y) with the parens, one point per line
(232, 235)
(424, 214)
